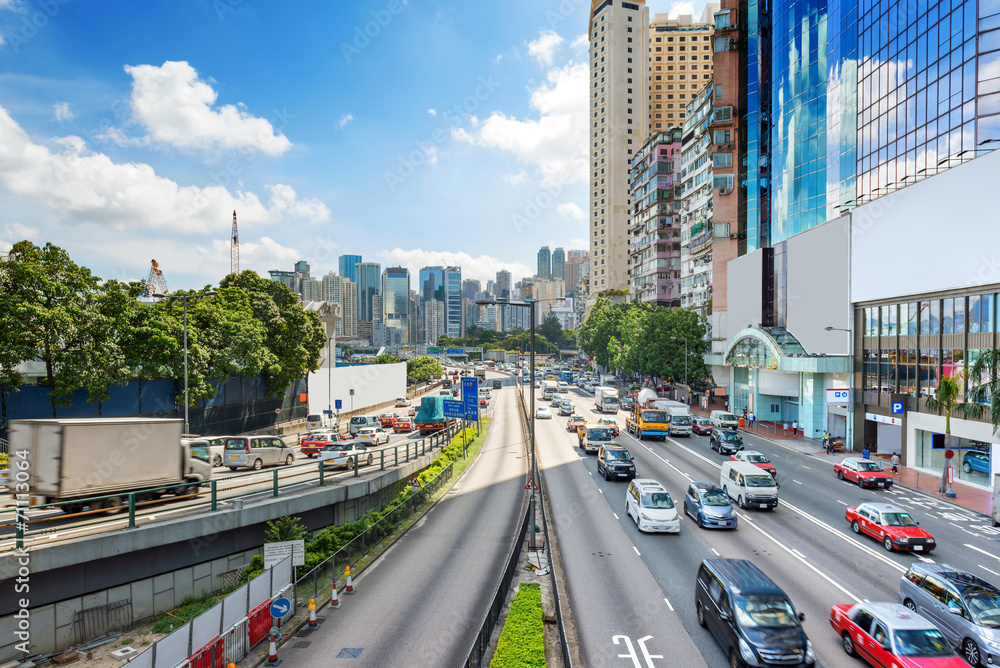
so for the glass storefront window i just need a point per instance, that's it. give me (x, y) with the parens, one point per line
(960, 315)
(925, 317)
(871, 370)
(953, 362)
(887, 371)
(947, 316)
(928, 372)
(974, 355)
(908, 372)
(971, 461)
(908, 324)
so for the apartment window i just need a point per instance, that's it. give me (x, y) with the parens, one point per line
(720, 136)
(659, 77)
(721, 44)
(722, 160)
(718, 91)
(722, 182)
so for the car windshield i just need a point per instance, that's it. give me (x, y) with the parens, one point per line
(759, 481)
(620, 455)
(659, 500)
(654, 416)
(757, 459)
(199, 450)
(921, 642)
(602, 434)
(869, 466)
(716, 497)
(772, 612)
(730, 436)
(984, 606)
(682, 419)
(897, 520)
(336, 448)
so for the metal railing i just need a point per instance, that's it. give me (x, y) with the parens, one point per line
(360, 545)
(143, 504)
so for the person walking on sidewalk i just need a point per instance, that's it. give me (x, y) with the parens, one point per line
(795, 427)
(753, 418)
(866, 453)
(895, 463)
(829, 444)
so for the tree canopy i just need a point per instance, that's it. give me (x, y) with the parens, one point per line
(421, 369)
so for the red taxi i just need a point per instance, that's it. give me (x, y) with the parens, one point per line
(865, 472)
(890, 634)
(757, 459)
(611, 424)
(701, 426)
(403, 426)
(891, 525)
(314, 442)
(387, 419)
(575, 422)
(483, 401)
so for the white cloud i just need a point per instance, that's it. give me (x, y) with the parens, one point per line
(555, 142)
(89, 187)
(581, 42)
(482, 268)
(176, 108)
(344, 120)
(14, 232)
(516, 179)
(432, 155)
(543, 49)
(681, 8)
(259, 255)
(61, 112)
(573, 211)
(432, 112)
(460, 134)
(578, 244)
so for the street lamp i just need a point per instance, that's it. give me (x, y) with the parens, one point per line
(685, 364)
(184, 298)
(331, 363)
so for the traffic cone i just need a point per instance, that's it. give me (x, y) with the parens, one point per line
(272, 652)
(349, 588)
(334, 599)
(313, 624)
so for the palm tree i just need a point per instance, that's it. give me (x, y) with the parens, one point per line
(984, 396)
(948, 398)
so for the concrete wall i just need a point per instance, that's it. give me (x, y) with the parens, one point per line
(159, 564)
(373, 384)
(743, 284)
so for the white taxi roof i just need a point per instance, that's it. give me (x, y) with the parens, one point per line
(896, 616)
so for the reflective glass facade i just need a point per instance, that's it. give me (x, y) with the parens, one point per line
(755, 99)
(812, 102)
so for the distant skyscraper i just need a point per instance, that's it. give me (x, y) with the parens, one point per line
(452, 280)
(544, 263)
(342, 291)
(369, 284)
(575, 262)
(470, 287)
(503, 284)
(346, 267)
(559, 265)
(430, 284)
(396, 300)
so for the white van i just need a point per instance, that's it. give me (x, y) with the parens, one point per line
(364, 422)
(749, 485)
(724, 420)
(314, 421)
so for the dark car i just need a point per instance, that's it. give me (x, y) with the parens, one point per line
(626, 403)
(976, 460)
(750, 616)
(614, 461)
(726, 442)
(709, 506)
(497, 384)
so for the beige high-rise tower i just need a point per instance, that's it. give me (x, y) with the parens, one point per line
(619, 34)
(680, 64)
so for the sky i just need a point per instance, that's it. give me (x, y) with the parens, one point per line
(410, 133)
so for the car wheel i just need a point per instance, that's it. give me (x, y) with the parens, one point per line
(910, 604)
(855, 527)
(840, 475)
(733, 661)
(257, 465)
(371, 458)
(887, 544)
(739, 501)
(970, 651)
(848, 644)
(966, 467)
(217, 460)
(701, 521)
(289, 459)
(701, 615)
(232, 468)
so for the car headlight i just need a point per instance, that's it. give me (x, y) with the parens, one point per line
(995, 644)
(646, 517)
(904, 539)
(810, 655)
(746, 652)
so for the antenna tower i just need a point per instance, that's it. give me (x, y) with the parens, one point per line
(155, 282)
(234, 267)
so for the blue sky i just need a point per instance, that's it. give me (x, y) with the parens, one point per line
(410, 133)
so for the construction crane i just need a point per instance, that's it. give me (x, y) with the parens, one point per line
(234, 264)
(155, 282)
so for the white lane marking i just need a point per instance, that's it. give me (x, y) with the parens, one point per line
(988, 570)
(797, 482)
(715, 552)
(806, 467)
(587, 471)
(926, 560)
(805, 562)
(667, 601)
(797, 553)
(600, 490)
(840, 502)
(636, 550)
(616, 515)
(973, 547)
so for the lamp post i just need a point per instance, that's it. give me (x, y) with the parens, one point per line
(685, 363)
(184, 298)
(331, 347)
(850, 382)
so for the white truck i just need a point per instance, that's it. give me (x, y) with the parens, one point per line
(679, 416)
(549, 387)
(606, 399)
(68, 460)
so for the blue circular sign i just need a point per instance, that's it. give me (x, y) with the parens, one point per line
(280, 607)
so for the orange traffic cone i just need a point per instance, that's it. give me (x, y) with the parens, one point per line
(272, 652)
(349, 588)
(334, 599)
(313, 624)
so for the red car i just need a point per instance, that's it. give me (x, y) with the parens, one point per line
(575, 422)
(402, 426)
(387, 419)
(890, 634)
(313, 443)
(757, 459)
(891, 525)
(608, 422)
(484, 401)
(701, 426)
(865, 472)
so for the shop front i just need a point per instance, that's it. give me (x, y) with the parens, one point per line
(976, 451)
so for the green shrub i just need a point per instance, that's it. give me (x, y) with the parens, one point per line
(522, 641)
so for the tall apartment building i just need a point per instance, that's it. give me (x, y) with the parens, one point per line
(369, 284)
(544, 262)
(558, 265)
(697, 212)
(310, 290)
(343, 291)
(434, 322)
(452, 280)
(470, 312)
(503, 284)
(654, 232)
(619, 120)
(680, 65)
(575, 260)
(346, 265)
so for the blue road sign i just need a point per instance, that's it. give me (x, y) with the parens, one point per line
(472, 416)
(280, 607)
(455, 351)
(897, 408)
(338, 404)
(470, 396)
(328, 412)
(453, 409)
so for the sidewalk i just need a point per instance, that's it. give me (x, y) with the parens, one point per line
(969, 497)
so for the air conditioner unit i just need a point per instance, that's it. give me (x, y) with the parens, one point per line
(725, 191)
(733, 26)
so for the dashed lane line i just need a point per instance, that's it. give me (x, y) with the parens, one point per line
(667, 601)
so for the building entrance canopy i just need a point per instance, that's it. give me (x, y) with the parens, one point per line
(777, 348)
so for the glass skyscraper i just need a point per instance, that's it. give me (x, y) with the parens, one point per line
(755, 139)
(453, 301)
(396, 300)
(347, 264)
(544, 263)
(369, 284)
(559, 265)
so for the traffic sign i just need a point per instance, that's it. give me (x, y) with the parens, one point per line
(897, 408)
(949, 453)
(453, 409)
(531, 485)
(280, 607)
(327, 412)
(338, 403)
(414, 482)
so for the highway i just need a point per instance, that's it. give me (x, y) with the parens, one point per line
(805, 545)
(421, 603)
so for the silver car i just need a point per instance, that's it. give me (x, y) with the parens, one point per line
(965, 608)
(256, 452)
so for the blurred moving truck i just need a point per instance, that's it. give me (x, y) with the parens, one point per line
(76, 459)
(606, 399)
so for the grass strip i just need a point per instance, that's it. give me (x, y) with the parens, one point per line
(522, 641)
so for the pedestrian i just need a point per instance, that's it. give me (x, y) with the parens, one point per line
(795, 427)
(895, 462)
(785, 428)
(866, 453)
(727, 404)
(824, 438)
(753, 418)
(829, 444)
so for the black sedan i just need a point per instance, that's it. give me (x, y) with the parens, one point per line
(726, 441)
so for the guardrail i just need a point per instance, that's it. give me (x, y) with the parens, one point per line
(143, 503)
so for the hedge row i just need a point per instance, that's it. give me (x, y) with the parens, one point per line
(522, 641)
(329, 540)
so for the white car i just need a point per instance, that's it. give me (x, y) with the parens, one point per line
(649, 503)
(401, 402)
(372, 436)
(343, 454)
(543, 413)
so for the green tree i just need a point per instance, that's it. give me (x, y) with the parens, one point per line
(551, 329)
(596, 332)
(385, 359)
(421, 369)
(984, 388)
(947, 398)
(284, 529)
